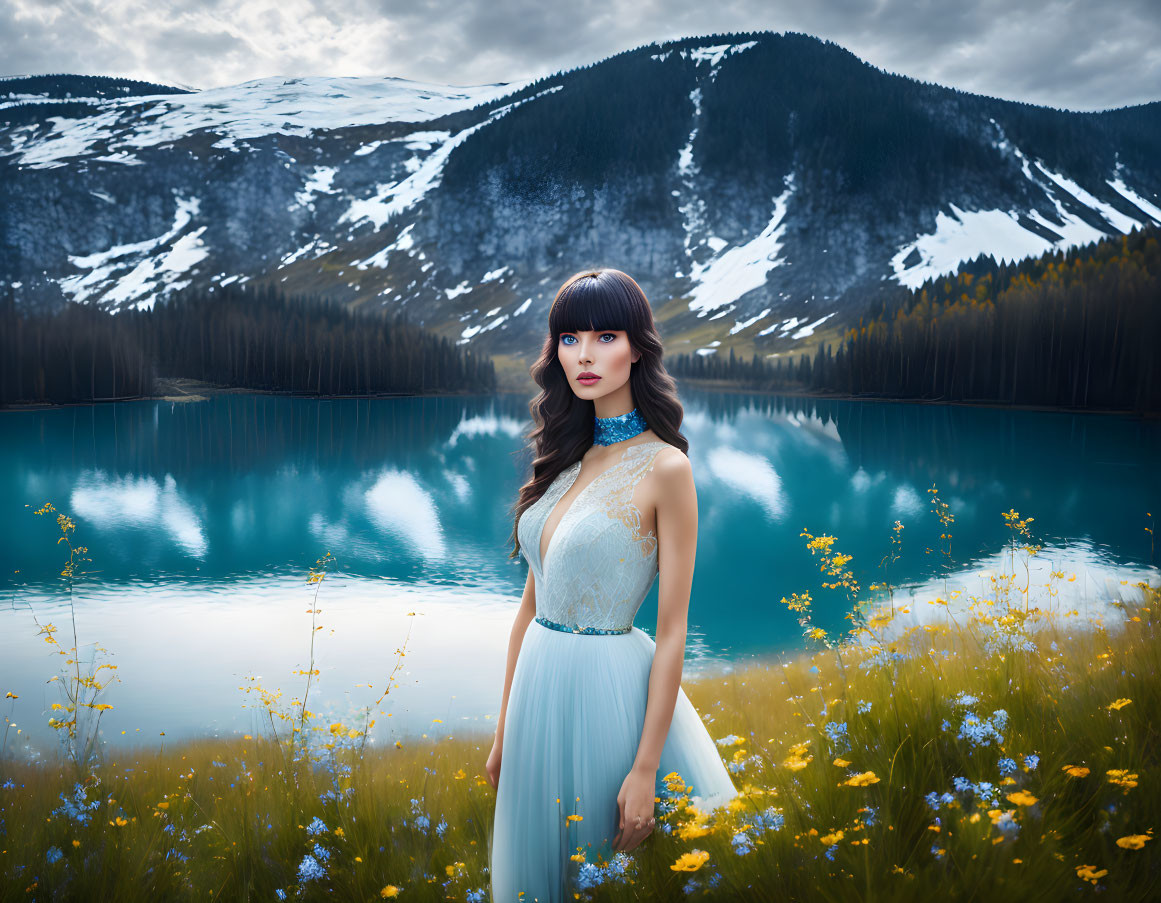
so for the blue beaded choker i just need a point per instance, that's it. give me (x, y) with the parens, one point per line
(607, 430)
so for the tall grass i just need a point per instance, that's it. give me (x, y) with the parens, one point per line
(1005, 751)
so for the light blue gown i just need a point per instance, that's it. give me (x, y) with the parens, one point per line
(577, 702)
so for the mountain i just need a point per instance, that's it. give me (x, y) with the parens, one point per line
(762, 188)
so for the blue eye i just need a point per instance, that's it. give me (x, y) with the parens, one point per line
(564, 336)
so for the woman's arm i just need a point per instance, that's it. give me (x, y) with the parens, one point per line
(676, 551)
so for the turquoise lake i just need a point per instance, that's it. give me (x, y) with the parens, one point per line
(203, 519)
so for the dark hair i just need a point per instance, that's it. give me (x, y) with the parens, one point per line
(562, 430)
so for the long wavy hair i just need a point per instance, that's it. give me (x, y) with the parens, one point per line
(562, 430)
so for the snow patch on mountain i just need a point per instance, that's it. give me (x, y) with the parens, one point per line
(1151, 210)
(966, 234)
(731, 273)
(265, 106)
(318, 183)
(393, 198)
(143, 270)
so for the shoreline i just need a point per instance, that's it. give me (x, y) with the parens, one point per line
(175, 390)
(182, 391)
(732, 388)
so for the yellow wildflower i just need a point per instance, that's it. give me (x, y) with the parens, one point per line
(1022, 798)
(575, 818)
(1133, 841)
(1089, 873)
(1118, 704)
(1122, 778)
(828, 839)
(690, 862)
(389, 891)
(693, 829)
(862, 780)
(798, 759)
(1076, 771)
(841, 763)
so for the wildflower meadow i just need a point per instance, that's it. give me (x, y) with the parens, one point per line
(1002, 749)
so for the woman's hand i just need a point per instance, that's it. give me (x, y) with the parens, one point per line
(635, 802)
(493, 765)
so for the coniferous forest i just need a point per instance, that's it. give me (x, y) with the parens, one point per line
(233, 336)
(1077, 329)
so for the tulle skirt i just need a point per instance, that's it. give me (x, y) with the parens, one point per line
(573, 723)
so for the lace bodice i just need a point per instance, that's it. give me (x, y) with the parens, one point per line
(598, 567)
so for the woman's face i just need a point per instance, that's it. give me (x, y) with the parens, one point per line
(605, 354)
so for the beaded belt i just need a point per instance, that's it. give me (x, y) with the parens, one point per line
(588, 630)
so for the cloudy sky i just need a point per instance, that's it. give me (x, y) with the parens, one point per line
(1071, 54)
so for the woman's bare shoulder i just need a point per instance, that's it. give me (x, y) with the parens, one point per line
(672, 466)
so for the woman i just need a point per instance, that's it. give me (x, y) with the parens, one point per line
(593, 715)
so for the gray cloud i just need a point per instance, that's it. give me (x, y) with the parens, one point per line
(1072, 54)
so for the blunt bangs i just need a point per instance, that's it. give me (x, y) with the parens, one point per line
(588, 304)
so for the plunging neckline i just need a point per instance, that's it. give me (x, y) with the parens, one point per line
(571, 505)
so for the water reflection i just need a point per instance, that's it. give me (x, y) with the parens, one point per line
(202, 520)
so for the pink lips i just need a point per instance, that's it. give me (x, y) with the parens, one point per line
(587, 378)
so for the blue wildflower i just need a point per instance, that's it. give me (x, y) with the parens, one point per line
(53, 855)
(618, 865)
(8, 785)
(1006, 766)
(715, 879)
(477, 896)
(79, 809)
(309, 869)
(742, 843)
(316, 827)
(830, 851)
(870, 816)
(441, 827)
(690, 886)
(280, 892)
(946, 726)
(770, 820)
(1007, 825)
(962, 785)
(937, 852)
(982, 731)
(986, 791)
(422, 822)
(933, 800)
(321, 853)
(837, 733)
(965, 698)
(731, 740)
(864, 707)
(1031, 761)
(589, 876)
